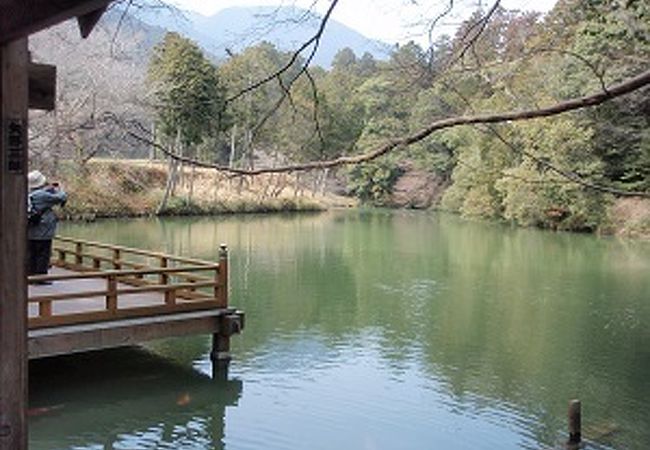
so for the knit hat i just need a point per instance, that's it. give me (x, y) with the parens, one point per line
(36, 179)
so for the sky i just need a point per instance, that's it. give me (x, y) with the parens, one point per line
(388, 20)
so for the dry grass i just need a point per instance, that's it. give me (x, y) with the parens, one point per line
(630, 217)
(122, 188)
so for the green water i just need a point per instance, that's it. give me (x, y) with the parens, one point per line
(374, 330)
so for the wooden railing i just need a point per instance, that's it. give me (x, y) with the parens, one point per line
(171, 284)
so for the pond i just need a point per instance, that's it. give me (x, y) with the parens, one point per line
(373, 329)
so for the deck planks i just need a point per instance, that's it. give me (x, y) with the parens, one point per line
(90, 304)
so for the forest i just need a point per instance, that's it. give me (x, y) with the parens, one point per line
(267, 110)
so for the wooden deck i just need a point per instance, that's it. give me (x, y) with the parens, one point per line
(69, 287)
(99, 296)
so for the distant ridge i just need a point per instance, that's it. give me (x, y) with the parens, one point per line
(234, 29)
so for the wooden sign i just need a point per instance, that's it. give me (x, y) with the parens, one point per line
(15, 133)
(42, 86)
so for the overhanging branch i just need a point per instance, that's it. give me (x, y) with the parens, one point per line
(611, 92)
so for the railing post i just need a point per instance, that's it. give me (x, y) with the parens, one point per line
(170, 295)
(61, 253)
(163, 278)
(97, 263)
(78, 258)
(45, 308)
(221, 290)
(111, 293)
(116, 259)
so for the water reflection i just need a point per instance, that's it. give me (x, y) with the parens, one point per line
(126, 398)
(380, 329)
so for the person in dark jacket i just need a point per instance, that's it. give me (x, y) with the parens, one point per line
(43, 197)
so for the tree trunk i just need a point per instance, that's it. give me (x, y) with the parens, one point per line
(172, 170)
(233, 140)
(169, 187)
(191, 191)
(296, 188)
(178, 150)
(323, 182)
(152, 147)
(249, 150)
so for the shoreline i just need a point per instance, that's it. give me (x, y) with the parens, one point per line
(130, 189)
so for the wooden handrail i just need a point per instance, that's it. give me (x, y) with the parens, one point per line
(136, 266)
(119, 273)
(123, 291)
(175, 277)
(133, 251)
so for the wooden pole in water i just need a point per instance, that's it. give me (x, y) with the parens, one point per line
(575, 425)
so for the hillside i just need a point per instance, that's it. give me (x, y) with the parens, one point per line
(102, 74)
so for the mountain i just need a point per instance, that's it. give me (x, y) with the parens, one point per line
(233, 29)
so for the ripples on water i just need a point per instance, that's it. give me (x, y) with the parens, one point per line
(374, 330)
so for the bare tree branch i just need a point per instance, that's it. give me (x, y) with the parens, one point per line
(317, 129)
(315, 39)
(435, 21)
(481, 24)
(614, 91)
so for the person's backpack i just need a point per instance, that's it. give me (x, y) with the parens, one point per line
(33, 215)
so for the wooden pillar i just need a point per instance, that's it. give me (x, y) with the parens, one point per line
(14, 59)
(222, 277)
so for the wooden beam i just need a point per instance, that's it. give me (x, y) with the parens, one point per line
(88, 21)
(81, 338)
(20, 18)
(42, 86)
(14, 59)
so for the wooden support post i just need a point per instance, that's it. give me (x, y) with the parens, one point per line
(221, 292)
(575, 425)
(14, 58)
(229, 324)
(97, 263)
(220, 356)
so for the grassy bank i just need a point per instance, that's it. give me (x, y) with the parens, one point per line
(136, 188)
(127, 188)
